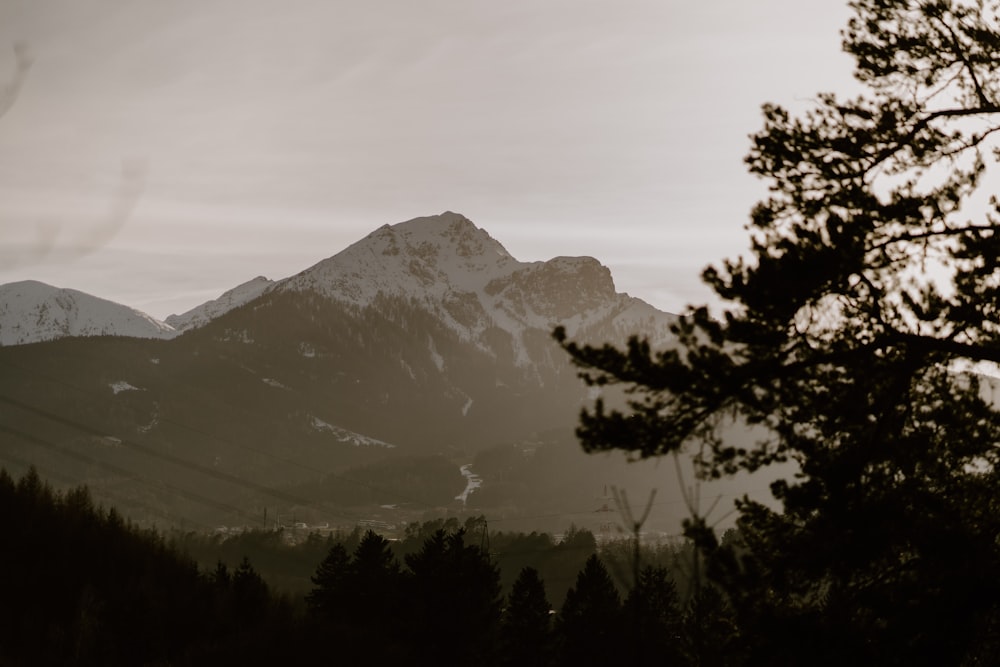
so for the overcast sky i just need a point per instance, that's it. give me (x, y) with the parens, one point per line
(161, 152)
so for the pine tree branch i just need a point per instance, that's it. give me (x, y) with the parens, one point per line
(960, 52)
(950, 231)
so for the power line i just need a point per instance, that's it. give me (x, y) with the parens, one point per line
(49, 474)
(254, 486)
(178, 461)
(175, 460)
(236, 445)
(118, 470)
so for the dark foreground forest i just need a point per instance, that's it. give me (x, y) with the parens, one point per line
(84, 587)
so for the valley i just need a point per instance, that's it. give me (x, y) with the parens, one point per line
(366, 388)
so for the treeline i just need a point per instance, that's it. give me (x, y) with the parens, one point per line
(431, 481)
(443, 606)
(289, 565)
(81, 586)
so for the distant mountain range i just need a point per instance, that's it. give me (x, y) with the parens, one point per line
(357, 387)
(443, 264)
(31, 312)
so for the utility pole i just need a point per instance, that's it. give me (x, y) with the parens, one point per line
(605, 525)
(484, 541)
(625, 511)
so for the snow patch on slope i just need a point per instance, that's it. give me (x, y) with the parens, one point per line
(472, 482)
(435, 355)
(348, 437)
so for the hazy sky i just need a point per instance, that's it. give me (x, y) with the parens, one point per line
(161, 152)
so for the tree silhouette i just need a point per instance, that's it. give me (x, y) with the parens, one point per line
(872, 280)
(82, 586)
(374, 580)
(526, 625)
(453, 593)
(328, 595)
(655, 624)
(251, 598)
(589, 623)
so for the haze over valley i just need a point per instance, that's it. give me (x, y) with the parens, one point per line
(411, 374)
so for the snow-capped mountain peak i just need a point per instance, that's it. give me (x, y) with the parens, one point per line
(446, 265)
(32, 311)
(442, 264)
(234, 298)
(422, 258)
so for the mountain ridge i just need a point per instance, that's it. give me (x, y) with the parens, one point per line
(32, 311)
(443, 262)
(312, 387)
(203, 313)
(457, 271)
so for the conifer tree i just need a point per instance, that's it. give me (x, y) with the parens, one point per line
(870, 290)
(590, 622)
(526, 625)
(654, 622)
(453, 591)
(373, 580)
(328, 594)
(251, 597)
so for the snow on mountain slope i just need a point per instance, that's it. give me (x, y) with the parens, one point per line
(234, 298)
(347, 436)
(424, 258)
(32, 311)
(442, 264)
(446, 265)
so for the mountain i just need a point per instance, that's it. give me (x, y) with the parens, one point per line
(203, 314)
(447, 267)
(433, 324)
(32, 311)
(363, 383)
(443, 264)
